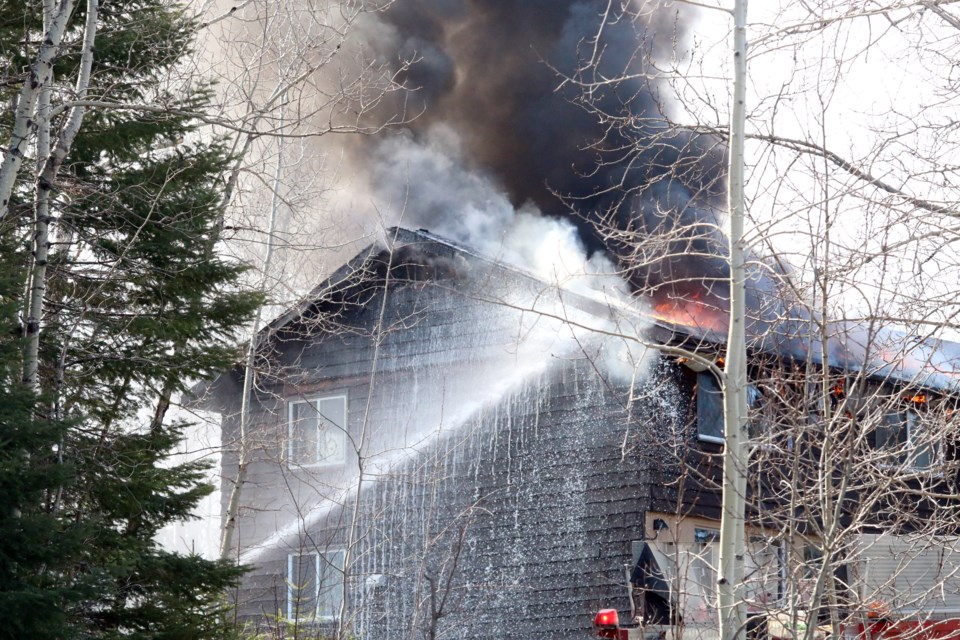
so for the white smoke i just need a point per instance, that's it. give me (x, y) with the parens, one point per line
(429, 184)
(576, 306)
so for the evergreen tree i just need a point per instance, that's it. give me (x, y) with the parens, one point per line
(137, 304)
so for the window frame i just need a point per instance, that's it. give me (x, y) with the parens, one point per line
(708, 437)
(758, 546)
(293, 613)
(314, 400)
(904, 455)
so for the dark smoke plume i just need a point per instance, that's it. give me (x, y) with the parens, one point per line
(513, 116)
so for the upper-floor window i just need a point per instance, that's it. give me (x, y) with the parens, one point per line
(900, 435)
(709, 408)
(315, 585)
(317, 431)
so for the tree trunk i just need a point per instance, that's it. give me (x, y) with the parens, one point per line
(41, 72)
(249, 374)
(45, 182)
(732, 547)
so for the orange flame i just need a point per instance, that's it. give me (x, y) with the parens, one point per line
(919, 398)
(690, 313)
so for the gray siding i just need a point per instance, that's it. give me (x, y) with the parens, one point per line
(494, 471)
(535, 503)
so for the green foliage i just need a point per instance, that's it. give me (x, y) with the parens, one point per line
(32, 544)
(139, 304)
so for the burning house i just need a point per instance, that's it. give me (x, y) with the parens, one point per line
(437, 445)
(490, 433)
(443, 445)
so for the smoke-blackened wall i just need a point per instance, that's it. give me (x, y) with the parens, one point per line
(511, 111)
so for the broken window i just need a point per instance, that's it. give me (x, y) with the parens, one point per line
(315, 585)
(317, 431)
(760, 421)
(710, 410)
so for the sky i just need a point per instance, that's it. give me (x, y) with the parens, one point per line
(877, 89)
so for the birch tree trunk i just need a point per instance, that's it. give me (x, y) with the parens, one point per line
(730, 575)
(51, 162)
(41, 73)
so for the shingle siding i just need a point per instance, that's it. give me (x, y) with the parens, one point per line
(530, 482)
(532, 493)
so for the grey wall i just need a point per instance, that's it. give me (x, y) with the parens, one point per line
(494, 465)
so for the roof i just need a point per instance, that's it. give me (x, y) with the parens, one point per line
(878, 352)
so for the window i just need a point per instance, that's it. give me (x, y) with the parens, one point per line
(759, 423)
(690, 569)
(901, 435)
(763, 573)
(701, 587)
(315, 585)
(317, 431)
(709, 408)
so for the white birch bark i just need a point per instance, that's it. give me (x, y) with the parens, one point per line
(41, 246)
(41, 73)
(75, 116)
(732, 547)
(44, 184)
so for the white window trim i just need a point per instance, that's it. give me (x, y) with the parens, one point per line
(290, 428)
(318, 558)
